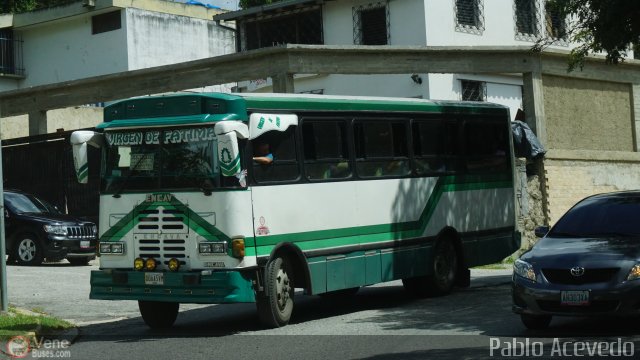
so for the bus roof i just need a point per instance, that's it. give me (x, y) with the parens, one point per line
(194, 108)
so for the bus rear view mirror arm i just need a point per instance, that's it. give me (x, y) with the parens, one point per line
(79, 141)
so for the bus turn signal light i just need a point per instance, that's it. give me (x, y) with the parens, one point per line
(238, 247)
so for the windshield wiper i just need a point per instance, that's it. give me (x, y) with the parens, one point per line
(126, 179)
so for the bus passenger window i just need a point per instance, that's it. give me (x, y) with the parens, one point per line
(435, 146)
(487, 146)
(282, 147)
(326, 154)
(381, 149)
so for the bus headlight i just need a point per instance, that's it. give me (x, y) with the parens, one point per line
(108, 247)
(150, 264)
(174, 264)
(209, 248)
(138, 264)
(237, 247)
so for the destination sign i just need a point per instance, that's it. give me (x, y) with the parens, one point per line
(153, 137)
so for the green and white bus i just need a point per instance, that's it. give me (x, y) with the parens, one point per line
(359, 191)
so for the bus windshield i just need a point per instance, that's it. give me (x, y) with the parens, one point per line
(176, 159)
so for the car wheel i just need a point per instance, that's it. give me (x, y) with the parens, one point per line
(158, 314)
(79, 261)
(275, 307)
(28, 250)
(535, 322)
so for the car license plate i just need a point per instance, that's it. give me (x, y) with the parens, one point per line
(154, 278)
(574, 298)
(85, 244)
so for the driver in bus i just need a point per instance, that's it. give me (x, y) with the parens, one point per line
(262, 154)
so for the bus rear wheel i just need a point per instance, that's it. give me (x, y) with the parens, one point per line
(158, 314)
(276, 305)
(444, 269)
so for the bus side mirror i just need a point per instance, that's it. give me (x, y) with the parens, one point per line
(227, 133)
(79, 141)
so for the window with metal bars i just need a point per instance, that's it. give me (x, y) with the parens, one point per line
(526, 19)
(371, 24)
(469, 16)
(556, 25)
(10, 53)
(473, 90)
(303, 26)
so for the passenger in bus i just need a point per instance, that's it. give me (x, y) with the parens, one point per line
(262, 154)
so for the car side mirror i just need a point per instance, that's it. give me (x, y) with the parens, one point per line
(541, 231)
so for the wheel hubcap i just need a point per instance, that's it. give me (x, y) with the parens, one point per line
(283, 288)
(27, 250)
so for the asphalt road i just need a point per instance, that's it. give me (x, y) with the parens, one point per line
(380, 322)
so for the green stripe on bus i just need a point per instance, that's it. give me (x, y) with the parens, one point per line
(320, 239)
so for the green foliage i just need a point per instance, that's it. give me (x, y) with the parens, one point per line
(17, 322)
(251, 3)
(609, 26)
(19, 6)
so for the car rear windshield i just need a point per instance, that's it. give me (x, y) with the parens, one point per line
(601, 217)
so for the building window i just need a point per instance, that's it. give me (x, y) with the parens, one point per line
(371, 24)
(300, 26)
(556, 26)
(10, 53)
(469, 16)
(473, 90)
(106, 22)
(526, 19)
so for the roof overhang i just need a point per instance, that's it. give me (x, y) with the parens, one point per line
(280, 6)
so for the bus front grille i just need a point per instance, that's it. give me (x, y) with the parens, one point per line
(162, 250)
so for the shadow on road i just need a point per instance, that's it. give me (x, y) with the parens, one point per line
(482, 309)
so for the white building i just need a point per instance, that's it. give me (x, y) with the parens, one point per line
(421, 23)
(90, 38)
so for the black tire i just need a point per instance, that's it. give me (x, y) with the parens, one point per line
(79, 261)
(444, 270)
(276, 304)
(157, 314)
(342, 294)
(28, 250)
(535, 322)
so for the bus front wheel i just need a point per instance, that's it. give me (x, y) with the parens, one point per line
(276, 304)
(157, 314)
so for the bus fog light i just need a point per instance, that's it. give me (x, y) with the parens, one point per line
(237, 245)
(150, 264)
(138, 264)
(174, 264)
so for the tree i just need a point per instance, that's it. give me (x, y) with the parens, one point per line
(251, 3)
(19, 6)
(610, 26)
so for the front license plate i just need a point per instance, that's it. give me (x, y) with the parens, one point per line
(153, 278)
(574, 298)
(85, 244)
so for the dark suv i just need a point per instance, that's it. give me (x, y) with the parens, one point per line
(36, 230)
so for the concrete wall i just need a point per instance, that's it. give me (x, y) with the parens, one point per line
(569, 181)
(159, 39)
(66, 50)
(588, 115)
(67, 119)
